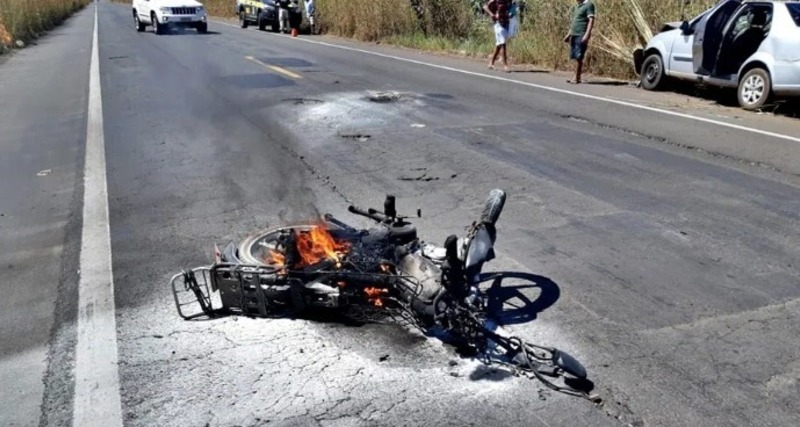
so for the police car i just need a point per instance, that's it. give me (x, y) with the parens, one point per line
(263, 13)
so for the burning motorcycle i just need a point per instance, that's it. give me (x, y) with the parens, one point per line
(385, 270)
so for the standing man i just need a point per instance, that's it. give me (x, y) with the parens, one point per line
(499, 11)
(310, 14)
(283, 15)
(580, 32)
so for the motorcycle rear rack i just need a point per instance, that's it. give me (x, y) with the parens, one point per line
(199, 287)
(197, 292)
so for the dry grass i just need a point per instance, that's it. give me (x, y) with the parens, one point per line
(27, 19)
(221, 8)
(450, 25)
(367, 19)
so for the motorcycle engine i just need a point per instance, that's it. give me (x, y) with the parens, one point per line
(428, 275)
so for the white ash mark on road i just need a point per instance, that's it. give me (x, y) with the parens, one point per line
(283, 371)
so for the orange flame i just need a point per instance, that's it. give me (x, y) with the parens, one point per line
(374, 295)
(318, 244)
(315, 245)
(276, 257)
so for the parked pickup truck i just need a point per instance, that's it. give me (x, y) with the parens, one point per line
(162, 15)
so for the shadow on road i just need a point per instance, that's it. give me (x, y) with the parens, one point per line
(530, 71)
(607, 83)
(187, 32)
(786, 107)
(490, 373)
(510, 304)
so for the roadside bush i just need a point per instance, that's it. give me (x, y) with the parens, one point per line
(221, 8)
(26, 19)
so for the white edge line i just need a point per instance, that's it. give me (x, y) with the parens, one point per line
(97, 397)
(548, 88)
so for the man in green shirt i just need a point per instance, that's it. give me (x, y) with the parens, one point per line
(579, 34)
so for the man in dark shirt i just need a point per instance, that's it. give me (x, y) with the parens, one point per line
(580, 32)
(499, 11)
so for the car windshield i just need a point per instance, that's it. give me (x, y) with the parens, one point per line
(794, 10)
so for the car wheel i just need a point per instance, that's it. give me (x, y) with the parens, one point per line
(137, 23)
(754, 89)
(242, 19)
(202, 28)
(262, 23)
(157, 27)
(652, 75)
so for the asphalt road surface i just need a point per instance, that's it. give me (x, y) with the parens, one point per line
(659, 249)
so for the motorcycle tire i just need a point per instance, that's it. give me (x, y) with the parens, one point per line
(494, 206)
(248, 252)
(247, 248)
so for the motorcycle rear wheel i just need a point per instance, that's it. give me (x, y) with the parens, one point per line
(254, 250)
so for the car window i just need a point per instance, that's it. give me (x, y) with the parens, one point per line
(794, 10)
(741, 23)
(696, 20)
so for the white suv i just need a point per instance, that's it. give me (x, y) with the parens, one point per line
(163, 14)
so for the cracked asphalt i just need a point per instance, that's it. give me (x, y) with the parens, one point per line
(661, 252)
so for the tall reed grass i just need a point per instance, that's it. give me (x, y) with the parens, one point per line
(26, 19)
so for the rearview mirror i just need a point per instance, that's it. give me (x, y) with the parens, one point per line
(685, 28)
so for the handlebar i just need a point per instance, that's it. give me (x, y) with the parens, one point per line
(370, 213)
(388, 215)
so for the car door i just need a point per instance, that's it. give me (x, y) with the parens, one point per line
(138, 6)
(708, 35)
(143, 9)
(680, 56)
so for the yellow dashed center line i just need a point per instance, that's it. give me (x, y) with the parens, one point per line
(275, 68)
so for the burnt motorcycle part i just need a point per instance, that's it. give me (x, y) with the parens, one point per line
(329, 218)
(453, 269)
(480, 251)
(565, 361)
(389, 208)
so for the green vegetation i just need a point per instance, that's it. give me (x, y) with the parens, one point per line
(24, 20)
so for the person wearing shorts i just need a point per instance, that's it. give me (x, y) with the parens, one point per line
(499, 11)
(579, 34)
